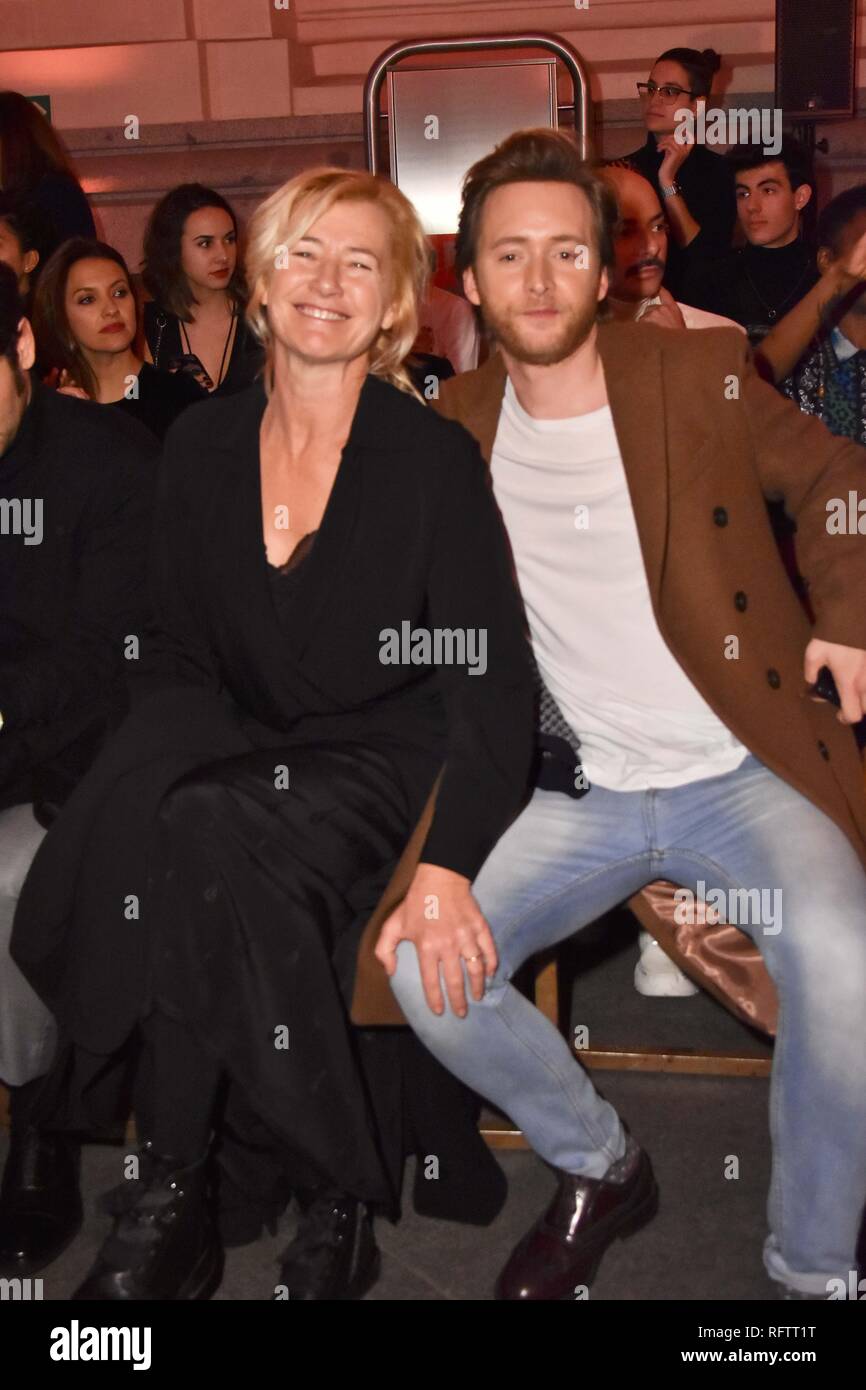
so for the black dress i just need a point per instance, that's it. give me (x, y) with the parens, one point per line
(161, 397)
(708, 190)
(254, 804)
(163, 333)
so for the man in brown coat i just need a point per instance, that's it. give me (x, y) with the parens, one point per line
(631, 466)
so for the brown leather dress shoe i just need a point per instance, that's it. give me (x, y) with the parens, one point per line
(563, 1250)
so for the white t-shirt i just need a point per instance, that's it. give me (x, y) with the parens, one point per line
(562, 490)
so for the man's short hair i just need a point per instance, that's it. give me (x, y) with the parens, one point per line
(11, 314)
(837, 214)
(742, 158)
(534, 156)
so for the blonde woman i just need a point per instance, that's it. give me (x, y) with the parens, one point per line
(335, 619)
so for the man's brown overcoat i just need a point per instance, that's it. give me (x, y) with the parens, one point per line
(704, 441)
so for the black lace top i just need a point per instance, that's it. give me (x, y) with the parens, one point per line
(283, 578)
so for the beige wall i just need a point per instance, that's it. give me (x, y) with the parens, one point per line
(240, 93)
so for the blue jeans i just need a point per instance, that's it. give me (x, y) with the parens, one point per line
(565, 862)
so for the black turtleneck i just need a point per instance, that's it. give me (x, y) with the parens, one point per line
(708, 189)
(755, 285)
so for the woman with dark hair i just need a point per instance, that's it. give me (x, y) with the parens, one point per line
(34, 165)
(25, 237)
(695, 184)
(280, 749)
(192, 269)
(86, 325)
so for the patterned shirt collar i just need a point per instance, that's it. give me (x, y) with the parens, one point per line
(842, 346)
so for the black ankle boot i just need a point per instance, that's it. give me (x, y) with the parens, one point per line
(40, 1198)
(163, 1246)
(334, 1254)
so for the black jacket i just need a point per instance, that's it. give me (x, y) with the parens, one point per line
(68, 600)
(411, 534)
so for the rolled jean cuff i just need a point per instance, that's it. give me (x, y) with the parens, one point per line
(777, 1269)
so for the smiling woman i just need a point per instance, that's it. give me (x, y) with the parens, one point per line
(275, 765)
(367, 244)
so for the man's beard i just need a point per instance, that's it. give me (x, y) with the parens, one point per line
(575, 329)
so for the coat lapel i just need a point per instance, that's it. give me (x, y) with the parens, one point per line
(631, 358)
(478, 396)
(632, 361)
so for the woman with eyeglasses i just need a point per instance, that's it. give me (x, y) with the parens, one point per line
(694, 183)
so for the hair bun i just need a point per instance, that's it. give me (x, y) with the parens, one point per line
(712, 59)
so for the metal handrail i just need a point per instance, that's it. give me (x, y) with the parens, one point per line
(409, 48)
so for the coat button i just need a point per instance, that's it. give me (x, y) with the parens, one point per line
(774, 680)
(823, 750)
(720, 516)
(741, 602)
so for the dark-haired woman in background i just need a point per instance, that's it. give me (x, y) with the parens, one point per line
(85, 322)
(25, 235)
(694, 184)
(192, 270)
(34, 165)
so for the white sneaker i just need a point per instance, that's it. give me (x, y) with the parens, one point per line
(656, 975)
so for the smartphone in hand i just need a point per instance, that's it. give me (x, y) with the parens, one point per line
(825, 687)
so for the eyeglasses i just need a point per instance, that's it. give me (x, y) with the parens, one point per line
(668, 92)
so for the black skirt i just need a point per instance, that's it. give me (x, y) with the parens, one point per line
(263, 869)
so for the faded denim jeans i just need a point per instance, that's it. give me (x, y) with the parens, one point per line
(564, 862)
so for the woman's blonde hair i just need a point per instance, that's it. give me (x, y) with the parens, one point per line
(288, 214)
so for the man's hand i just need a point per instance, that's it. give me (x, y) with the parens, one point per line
(675, 153)
(667, 314)
(848, 665)
(441, 917)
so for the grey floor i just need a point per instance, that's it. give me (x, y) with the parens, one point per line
(705, 1242)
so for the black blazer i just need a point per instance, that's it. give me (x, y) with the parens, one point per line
(411, 534)
(67, 603)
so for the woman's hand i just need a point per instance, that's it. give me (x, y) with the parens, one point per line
(67, 387)
(675, 154)
(441, 917)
